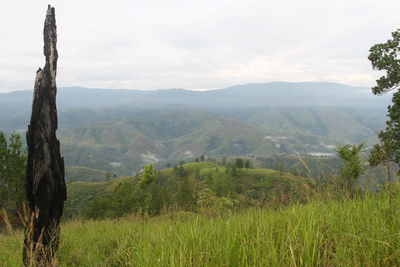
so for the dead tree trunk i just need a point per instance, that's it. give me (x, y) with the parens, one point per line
(45, 184)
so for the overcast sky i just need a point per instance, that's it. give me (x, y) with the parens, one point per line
(195, 44)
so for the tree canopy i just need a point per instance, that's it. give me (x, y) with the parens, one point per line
(353, 165)
(12, 171)
(386, 57)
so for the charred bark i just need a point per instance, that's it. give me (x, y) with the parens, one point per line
(45, 184)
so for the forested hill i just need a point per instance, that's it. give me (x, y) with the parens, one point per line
(186, 186)
(169, 134)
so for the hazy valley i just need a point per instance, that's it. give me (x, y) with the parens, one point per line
(120, 130)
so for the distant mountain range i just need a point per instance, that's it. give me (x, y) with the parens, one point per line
(248, 95)
(120, 130)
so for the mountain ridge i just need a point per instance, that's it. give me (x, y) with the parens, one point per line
(273, 93)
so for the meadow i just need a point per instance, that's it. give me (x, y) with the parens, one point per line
(323, 232)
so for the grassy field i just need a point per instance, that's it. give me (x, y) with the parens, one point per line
(360, 232)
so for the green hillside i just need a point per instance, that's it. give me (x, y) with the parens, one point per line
(81, 194)
(206, 182)
(174, 133)
(164, 135)
(76, 173)
(330, 125)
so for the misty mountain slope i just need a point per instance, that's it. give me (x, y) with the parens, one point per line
(332, 125)
(169, 122)
(98, 145)
(166, 135)
(342, 128)
(169, 134)
(219, 136)
(371, 117)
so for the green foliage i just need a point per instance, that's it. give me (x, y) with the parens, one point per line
(98, 208)
(149, 174)
(159, 199)
(239, 163)
(132, 195)
(222, 185)
(84, 174)
(167, 191)
(211, 204)
(126, 198)
(81, 194)
(385, 56)
(107, 176)
(185, 196)
(247, 164)
(389, 147)
(281, 167)
(386, 151)
(12, 171)
(353, 165)
(179, 171)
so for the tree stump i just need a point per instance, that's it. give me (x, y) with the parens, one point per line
(45, 184)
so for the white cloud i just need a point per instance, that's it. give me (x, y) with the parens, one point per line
(195, 44)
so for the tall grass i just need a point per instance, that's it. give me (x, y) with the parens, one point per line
(358, 232)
